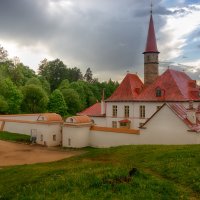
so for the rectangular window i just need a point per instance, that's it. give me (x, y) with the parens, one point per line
(126, 111)
(114, 124)
(142, 111)
(54, 137)
(125, 124)
(114, 111)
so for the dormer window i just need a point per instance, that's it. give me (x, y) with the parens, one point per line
(158, 92)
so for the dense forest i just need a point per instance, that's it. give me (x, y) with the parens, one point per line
(54, 88)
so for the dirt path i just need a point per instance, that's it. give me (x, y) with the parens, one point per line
(19, 154)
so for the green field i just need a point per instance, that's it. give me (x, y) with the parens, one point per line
(163, 172)
(14, 137)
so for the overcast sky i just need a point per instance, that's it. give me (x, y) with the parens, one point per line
(108, 36)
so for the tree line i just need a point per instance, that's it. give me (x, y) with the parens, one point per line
(55, 88)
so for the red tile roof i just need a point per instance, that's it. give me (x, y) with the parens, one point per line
(94, 110)
(151, 45)
(128, 90)
(79, 119)
(174, 86)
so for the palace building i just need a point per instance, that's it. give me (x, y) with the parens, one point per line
(134, 102)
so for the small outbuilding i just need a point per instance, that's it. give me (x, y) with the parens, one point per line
(76, 131)
(44, 129)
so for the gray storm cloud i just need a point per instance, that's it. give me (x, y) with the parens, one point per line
(108, 36)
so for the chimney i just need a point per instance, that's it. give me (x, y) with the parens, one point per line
(191, 113)
(103, 106)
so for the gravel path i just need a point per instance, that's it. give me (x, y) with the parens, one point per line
(18, 154)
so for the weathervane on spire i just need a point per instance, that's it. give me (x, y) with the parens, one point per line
(151, 11)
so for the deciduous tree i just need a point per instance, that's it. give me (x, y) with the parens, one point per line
(35, 99)
(57, 103)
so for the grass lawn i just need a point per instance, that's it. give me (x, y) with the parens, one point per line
(14, 137)
(163, 172)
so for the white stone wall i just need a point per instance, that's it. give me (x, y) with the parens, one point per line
(37, 129)
(166, 128)
(111, 139)
(100, 121)
(120, 113)
(134, 112)
(75, 136)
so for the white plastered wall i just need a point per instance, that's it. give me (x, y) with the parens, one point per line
(100, 121)
(112, 139)
(37, 129)
(75, 136)
(167, 128)
(120, 113)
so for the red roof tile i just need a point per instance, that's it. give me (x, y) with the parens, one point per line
(174, 86)
(94, 110)
(128, 90)
(151, 45)
(79, 119)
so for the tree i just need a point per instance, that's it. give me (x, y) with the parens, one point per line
(88, 75)
(72, 100)
(3, 54)
(45, 84)
(74, 74)
(54, 71)
(57, 103)
(34, 81)
(35, 99)
(12, 95)
(3, 105)
(64, 85)
(19, 73)
(79, 88)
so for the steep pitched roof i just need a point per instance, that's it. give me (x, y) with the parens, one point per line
(151, 45)
(94, 110)
(174, 86)
(128, 90)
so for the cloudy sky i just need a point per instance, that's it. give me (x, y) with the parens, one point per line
(108, 36)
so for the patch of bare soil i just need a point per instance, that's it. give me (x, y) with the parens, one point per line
(20, 154)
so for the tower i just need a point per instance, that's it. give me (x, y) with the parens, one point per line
(150, 55)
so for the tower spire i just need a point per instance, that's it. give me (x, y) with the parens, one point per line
(151, 53)
(151, 11)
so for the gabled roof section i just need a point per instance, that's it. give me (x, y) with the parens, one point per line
(128, 90)
(181, 112)
(94, 111)
(174, 86)
(151, 45)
